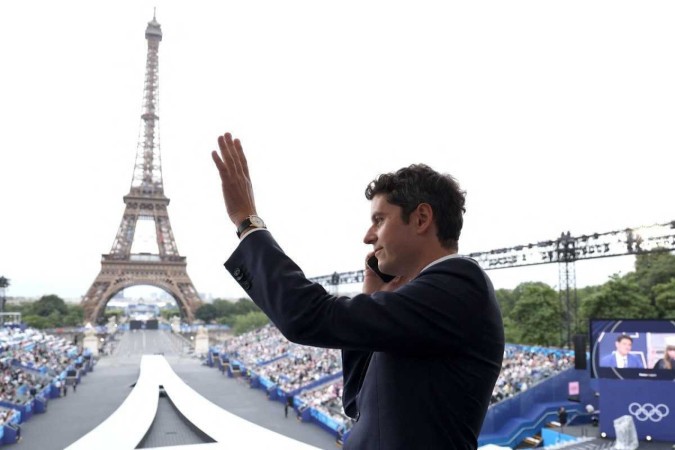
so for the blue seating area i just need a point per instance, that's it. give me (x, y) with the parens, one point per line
(507, 423)
(530, 389)
(282, 370)
(34, 369)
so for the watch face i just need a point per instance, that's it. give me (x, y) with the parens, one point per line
(257, 222)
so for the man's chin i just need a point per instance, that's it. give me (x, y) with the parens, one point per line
(386, 268)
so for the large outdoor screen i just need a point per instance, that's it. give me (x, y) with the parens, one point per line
(633, 349)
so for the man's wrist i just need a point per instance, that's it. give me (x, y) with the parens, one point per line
(252, 221)
(249, 231)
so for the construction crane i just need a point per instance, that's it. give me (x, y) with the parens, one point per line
(565, 250)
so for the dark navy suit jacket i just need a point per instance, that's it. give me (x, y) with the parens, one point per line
(419, 363)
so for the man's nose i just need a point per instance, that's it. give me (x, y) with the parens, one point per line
(370, 236)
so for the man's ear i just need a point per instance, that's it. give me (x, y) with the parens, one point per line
(424, 217)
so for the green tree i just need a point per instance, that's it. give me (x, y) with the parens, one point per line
(227, 311)
(55, 319)
(34, 321)
(74, 317)
(582, 320)
(250, 321)
(226, 320)
(619, 298)
(506, 299)
(511, 331)
(244, 306)
(206, 312)
(224, 308)
(664, 297)
(652, 269)
(537, 313)
(49, 304)
(23, 308)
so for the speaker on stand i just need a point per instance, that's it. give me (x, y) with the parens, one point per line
(580, 352)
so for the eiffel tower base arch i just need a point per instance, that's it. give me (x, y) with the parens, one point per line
(115, 275)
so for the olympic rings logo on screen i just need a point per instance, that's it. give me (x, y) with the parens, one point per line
(645, 412)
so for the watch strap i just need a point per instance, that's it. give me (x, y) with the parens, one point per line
(246, 224)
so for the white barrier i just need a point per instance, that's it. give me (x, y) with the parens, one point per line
(127, 426)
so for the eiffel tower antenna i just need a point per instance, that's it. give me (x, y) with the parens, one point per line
(145, 204)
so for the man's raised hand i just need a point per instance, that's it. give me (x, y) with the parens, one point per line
(233, 170)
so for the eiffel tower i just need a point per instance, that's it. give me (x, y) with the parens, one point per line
(145, 204)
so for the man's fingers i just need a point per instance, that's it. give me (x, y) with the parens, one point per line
(219, 162)
(233, 168)
(232, 159)
(243, 164)
(368, 256)
(234, 154)
(224, 142)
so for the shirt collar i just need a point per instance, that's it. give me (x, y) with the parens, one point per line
(622, 360)
(441, 259)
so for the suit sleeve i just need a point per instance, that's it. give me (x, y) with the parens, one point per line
(433, 313)
(354, 366)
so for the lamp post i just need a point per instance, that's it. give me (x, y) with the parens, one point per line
(4, 284)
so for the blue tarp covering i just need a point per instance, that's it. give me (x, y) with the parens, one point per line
(324, 421)
(510, 421)
(40, 404)
(265, 382)
(552, 437)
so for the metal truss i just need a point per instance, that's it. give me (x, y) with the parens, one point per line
(565, 249)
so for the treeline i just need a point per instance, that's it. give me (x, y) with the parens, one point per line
(241, 316)
(535, 313)
(50, 311)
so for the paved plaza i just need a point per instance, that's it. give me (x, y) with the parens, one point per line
(103, 391)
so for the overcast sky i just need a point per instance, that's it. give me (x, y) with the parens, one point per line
(554, 116)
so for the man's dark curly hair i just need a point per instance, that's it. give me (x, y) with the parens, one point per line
(419, 183)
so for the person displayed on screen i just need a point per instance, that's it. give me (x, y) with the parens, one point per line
(668, 360)
(621, 358)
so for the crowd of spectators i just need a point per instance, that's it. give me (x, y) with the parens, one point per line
(291, 366)
(269, 354)
(18, 385)
(524, 367)
(328, 400)
(6, 414)
(301, 366)
(49, 353)
(257, 347)
(29, 362)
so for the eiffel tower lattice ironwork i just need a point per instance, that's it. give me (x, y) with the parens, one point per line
(145, 204)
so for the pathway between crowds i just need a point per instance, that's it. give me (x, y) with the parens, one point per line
(103, 391)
